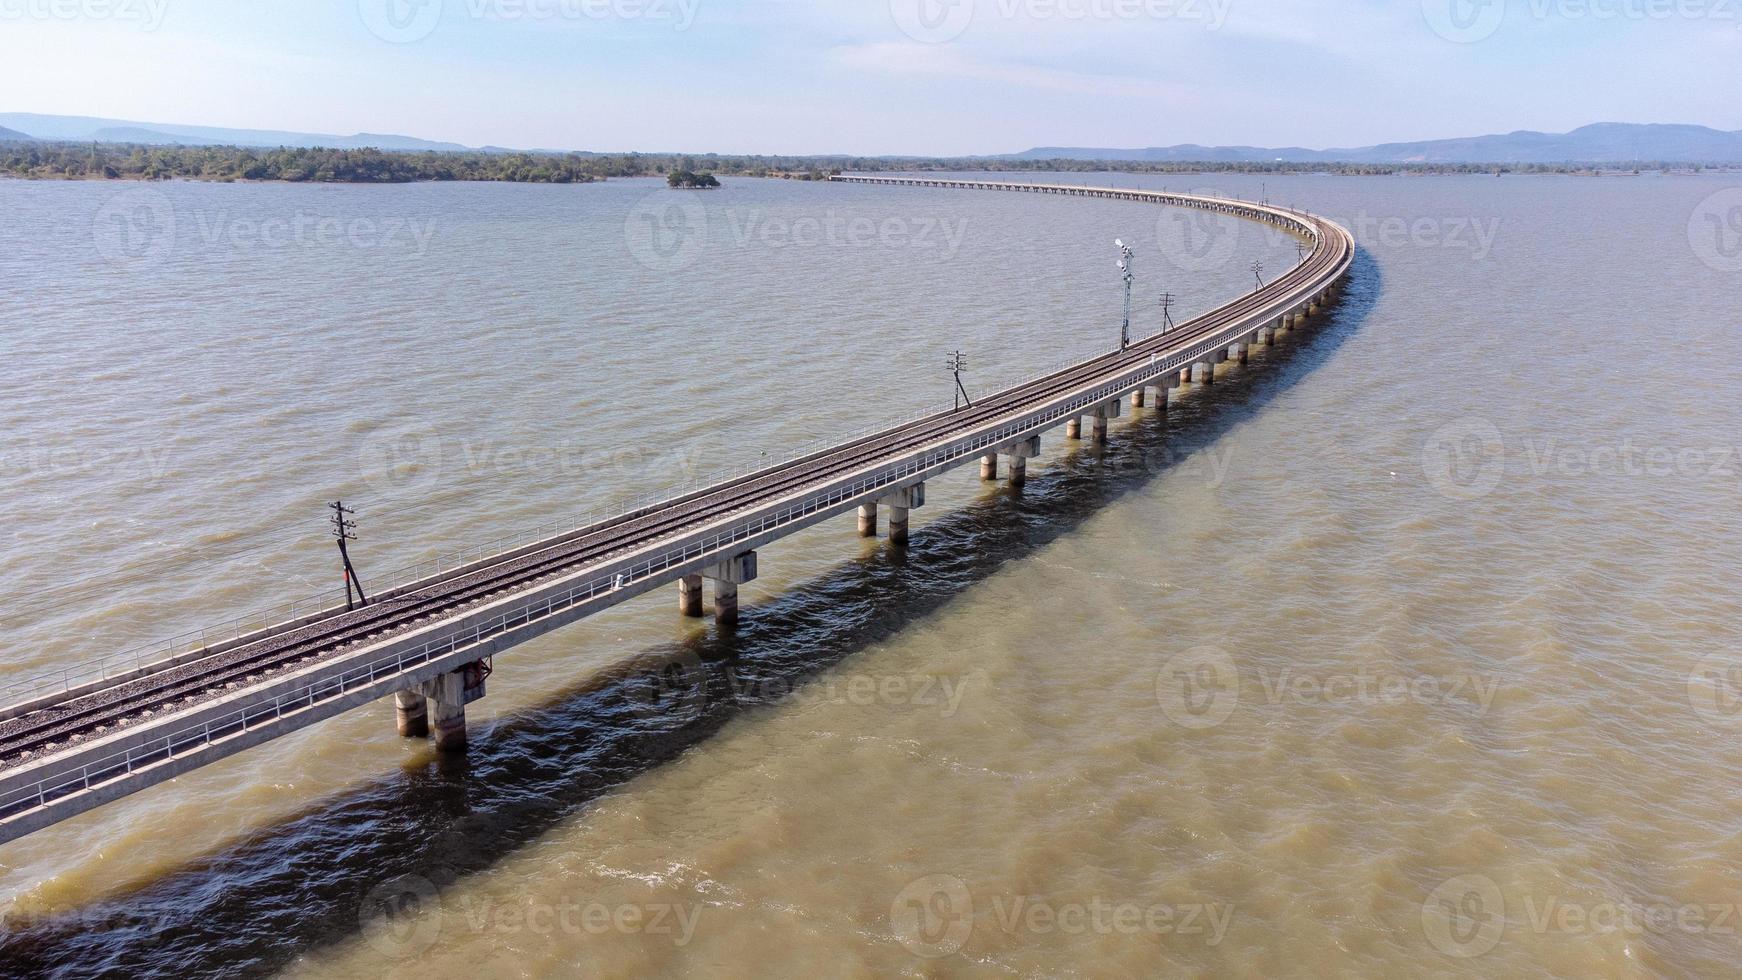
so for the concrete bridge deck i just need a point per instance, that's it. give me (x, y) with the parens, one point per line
(72, 744)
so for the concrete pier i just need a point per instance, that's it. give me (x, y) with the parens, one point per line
(727, 576)
(1019, 455)
(1110, 410)
(449, 694)
(1205, 372)
(1137, 398)
(900, 503)
(989, 466)
(1240, 355)
(1074, 428)
(411, 714)
(868, 520)
(689, 596)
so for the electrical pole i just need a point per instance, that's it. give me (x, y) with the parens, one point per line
(1166, 315)
(957, 363)
(343, 527)
(1300, 251)
(1258, 273)
(1125, 255)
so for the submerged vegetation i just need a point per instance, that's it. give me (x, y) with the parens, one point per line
(129, 161)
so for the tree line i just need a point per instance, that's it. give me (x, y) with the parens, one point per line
(46, 160)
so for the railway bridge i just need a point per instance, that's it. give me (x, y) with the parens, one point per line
(92, 733)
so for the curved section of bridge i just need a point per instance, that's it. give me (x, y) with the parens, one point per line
(71, 741)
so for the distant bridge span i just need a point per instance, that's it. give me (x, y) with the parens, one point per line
(90, 734)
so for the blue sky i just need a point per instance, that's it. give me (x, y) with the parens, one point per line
(879, 76)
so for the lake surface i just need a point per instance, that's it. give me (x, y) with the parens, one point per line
(1412, 649)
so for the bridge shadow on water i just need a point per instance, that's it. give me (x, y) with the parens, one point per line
(320, 877)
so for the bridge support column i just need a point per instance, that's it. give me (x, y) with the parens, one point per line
(1103, 412)
(868, 520)
(1074, 428)
(727, 576)
(1019, 455)
(411, 714)
(1240, 356)
(989, 466)
(449, 694)
(1206, 371)
(1137, 398)
(689, 596)
(1185, 375)
(900, 502)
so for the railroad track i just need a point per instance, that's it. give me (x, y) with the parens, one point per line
(67, 722)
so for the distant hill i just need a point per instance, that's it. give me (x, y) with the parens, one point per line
(13, 135)
(94, 130)
(1597, 143)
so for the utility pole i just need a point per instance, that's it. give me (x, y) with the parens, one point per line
(343, 527)
(1166, 315)
(1300, 251)
(957, 363)
(1258, 273)
(1125, 255)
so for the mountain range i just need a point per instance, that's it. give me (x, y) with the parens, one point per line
(88, 129)
(1599, 143)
